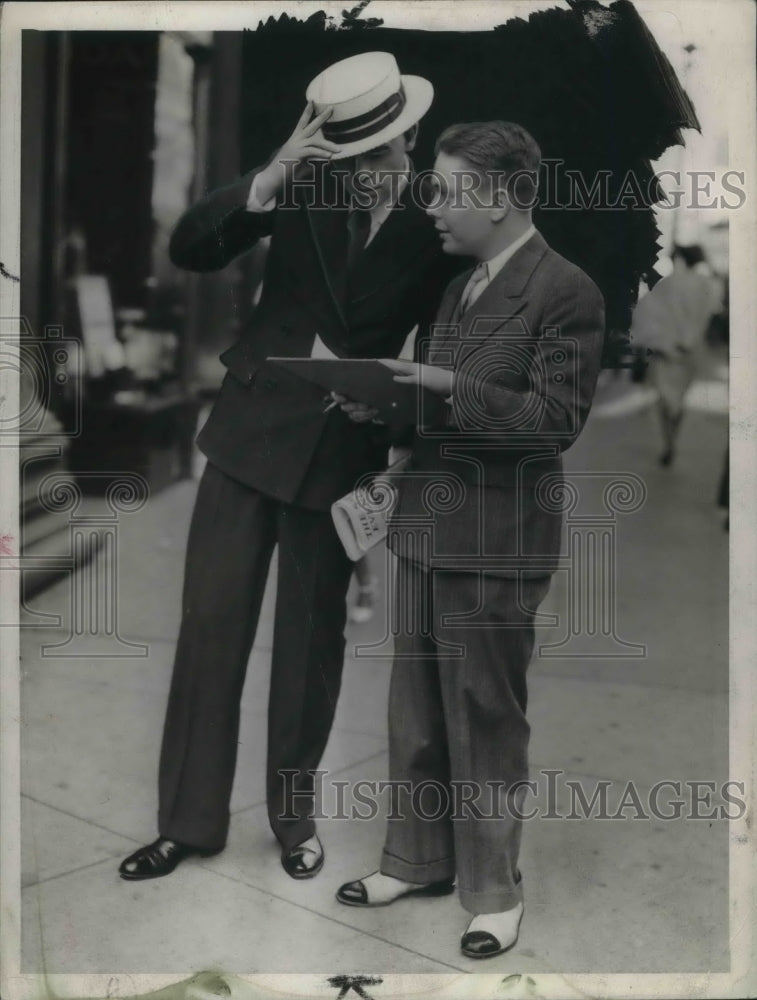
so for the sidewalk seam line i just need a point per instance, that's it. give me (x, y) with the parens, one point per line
(64, 812)
(317, 913)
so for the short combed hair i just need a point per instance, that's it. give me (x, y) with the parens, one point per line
(496, 148)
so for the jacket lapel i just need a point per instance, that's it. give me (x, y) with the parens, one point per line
(327, 238)
(449, 304)
(504, 298)
(404, 234)
(506, 295)
(444, 329)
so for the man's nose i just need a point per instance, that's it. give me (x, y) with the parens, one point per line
(364, 167)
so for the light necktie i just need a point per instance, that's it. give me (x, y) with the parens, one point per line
(471, 291)
(475, 286)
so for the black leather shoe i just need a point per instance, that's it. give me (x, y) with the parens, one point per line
(303, 862)
(158, 859)
(356, 894)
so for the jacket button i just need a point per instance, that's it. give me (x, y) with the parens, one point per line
(286, 328)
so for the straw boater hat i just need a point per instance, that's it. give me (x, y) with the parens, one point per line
(372, 102)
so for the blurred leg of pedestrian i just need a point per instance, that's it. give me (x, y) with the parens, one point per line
(639, 366)
(671, 375)
(363, 608)
(724, 489)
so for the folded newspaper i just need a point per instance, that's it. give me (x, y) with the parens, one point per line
(360, 518)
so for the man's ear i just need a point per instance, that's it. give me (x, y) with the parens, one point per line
(411, 136)
(500, 204)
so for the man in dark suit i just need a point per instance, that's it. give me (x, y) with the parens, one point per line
(353, 267)
(515, 353)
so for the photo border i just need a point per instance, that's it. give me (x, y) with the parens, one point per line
(739, 68)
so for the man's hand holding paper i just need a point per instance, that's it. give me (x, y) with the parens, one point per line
(360, 413)
(430, 377)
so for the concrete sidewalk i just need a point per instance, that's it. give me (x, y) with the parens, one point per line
(630, 895)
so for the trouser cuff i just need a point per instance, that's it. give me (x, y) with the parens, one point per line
(419, 873)
(192, 838)
(491, 902)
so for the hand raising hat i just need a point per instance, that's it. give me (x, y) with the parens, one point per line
(372, 102)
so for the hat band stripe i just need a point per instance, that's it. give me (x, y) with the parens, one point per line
(370, 123)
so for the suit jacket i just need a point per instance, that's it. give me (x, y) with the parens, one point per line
(267, 428)
(487, 478)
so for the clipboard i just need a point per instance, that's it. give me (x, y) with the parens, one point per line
(366, 380)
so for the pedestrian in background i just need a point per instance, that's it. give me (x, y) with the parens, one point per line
(671, 321)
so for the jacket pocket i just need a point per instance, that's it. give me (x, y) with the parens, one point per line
(243, 367)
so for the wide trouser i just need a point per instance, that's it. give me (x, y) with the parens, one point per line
(671, 375)
(458, 735)
(231, 540)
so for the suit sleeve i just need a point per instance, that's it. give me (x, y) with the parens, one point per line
(219, 228)
(546, 391)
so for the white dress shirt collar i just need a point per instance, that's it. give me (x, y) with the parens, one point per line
(495, 264)
(486, 271)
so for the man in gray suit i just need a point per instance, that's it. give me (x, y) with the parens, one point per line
(515, 352)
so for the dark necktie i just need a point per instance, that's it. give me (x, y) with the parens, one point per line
(358, 227)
